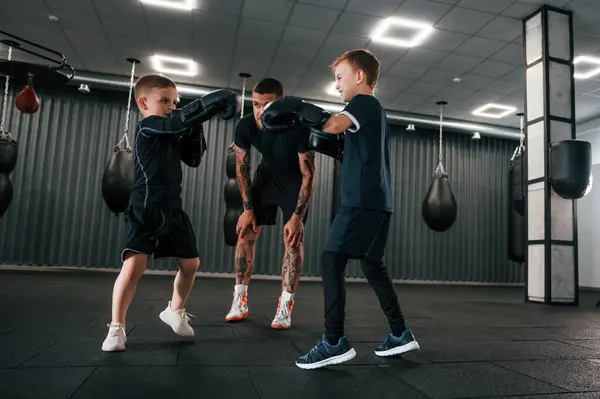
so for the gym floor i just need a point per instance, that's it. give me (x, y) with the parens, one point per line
(476, 342)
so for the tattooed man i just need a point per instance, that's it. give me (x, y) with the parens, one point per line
(285, 179)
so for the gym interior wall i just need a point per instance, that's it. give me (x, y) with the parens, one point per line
(58, 217)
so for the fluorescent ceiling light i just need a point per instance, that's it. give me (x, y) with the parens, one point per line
(174, 4)
(585, 59)
(505, 110)
(189, 67)
(423, 30)
(330, 89)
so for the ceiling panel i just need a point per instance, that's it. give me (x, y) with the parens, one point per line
(422, 10)
(479, 47)
(268, 10)
(309, 16)
(337, 4)
(355, 24)
(463, 20)
(374, 8)
(491, 6)
(502, 28)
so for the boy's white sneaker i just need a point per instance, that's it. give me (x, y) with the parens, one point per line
(116, 338)
(178, 320)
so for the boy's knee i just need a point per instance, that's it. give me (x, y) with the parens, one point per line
(189, 266)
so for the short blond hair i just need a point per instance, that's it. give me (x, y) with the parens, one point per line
(150, 81)
(361, 59)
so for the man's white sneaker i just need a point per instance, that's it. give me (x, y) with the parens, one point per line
(178, 320)
(239, 306)
(116, 338)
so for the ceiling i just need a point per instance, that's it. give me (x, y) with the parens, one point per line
(479, 41)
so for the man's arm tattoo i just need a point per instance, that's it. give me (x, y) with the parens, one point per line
(242, 171)
(307, 167)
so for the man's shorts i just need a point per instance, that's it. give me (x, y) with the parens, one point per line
(359, 233)
(270, 191)
(165, 233)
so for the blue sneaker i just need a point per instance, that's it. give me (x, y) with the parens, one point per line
(325, 354)
(397, 345)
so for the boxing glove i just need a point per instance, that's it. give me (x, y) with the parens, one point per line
(312, 116)
(201, 110)
(281, 114)
(327, 144)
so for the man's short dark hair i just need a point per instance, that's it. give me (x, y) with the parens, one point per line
(269, 86)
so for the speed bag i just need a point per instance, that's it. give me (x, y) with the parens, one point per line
(516, 184)
(8, 153)
(439, 207)
(118, 180)
(6, 193)
(570, 167)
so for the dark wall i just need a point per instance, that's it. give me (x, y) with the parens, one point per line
(58, 216)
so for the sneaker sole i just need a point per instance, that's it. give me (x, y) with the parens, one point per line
(237, 318)
(172, 329)
(113, 349)
(411, 346)
(280, 327)
(328, 362)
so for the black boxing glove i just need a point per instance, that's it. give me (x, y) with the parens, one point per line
(201, 110)
(192, 147)
(327, 144)
(281, 113)
(312, 116)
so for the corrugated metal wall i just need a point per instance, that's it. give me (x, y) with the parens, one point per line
(58, 216)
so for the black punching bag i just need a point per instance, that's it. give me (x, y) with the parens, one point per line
(570, 167)
(516, 209)
(118, 180)
(6, 192)
(233, 200)
(8, 153)
(439, 207)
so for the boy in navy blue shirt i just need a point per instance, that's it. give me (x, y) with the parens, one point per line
(361, 225)
(155, 223)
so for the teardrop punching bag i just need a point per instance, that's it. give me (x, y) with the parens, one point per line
(517, 241)
(118, 179)
(27, 100)
(439, 208)
(570, 167)
(233, 200)
(8, 152)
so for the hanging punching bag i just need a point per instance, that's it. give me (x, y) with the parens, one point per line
(6, 192)
(118, 179)
(517, 240)
(233, 200)
(27, 100)
(570, 167)
(439, 207)
(8, 152)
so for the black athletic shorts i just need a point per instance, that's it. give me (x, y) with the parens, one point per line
(166, 233)
(270, 191)
(359, 233)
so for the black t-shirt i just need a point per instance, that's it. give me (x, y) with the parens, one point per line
(279, 149)
(157, 158)
(366, 181)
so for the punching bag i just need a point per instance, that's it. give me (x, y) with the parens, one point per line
(118, 179)
(233, 200)
(570, 167)
(8, 153)
(6, 192)
(517, 240)
(439, 207)
(27, 100)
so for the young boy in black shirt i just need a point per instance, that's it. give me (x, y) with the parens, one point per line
(154, 221)
(361, 225)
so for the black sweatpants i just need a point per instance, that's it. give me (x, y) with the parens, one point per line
(357, 234)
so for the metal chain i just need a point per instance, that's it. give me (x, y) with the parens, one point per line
(243, 96)
(522, 134)
(125, 136)
(4, 104)
(441, 156)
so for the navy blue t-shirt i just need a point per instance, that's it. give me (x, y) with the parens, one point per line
(157, 156)
(279, 149)
(366, 181)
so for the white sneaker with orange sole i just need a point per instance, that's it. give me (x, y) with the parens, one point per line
(239, 307)
(283, 317)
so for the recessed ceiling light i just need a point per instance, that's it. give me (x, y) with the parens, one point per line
(188, 67)
(504, 108)
(330, 89)
(423, 30)
(175, 4)
(585, 59)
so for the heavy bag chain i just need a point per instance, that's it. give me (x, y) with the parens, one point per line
(439, 171)
(125, 135)
(5, 101)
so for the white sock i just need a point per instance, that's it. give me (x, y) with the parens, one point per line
(240, 289)
(286, 296)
